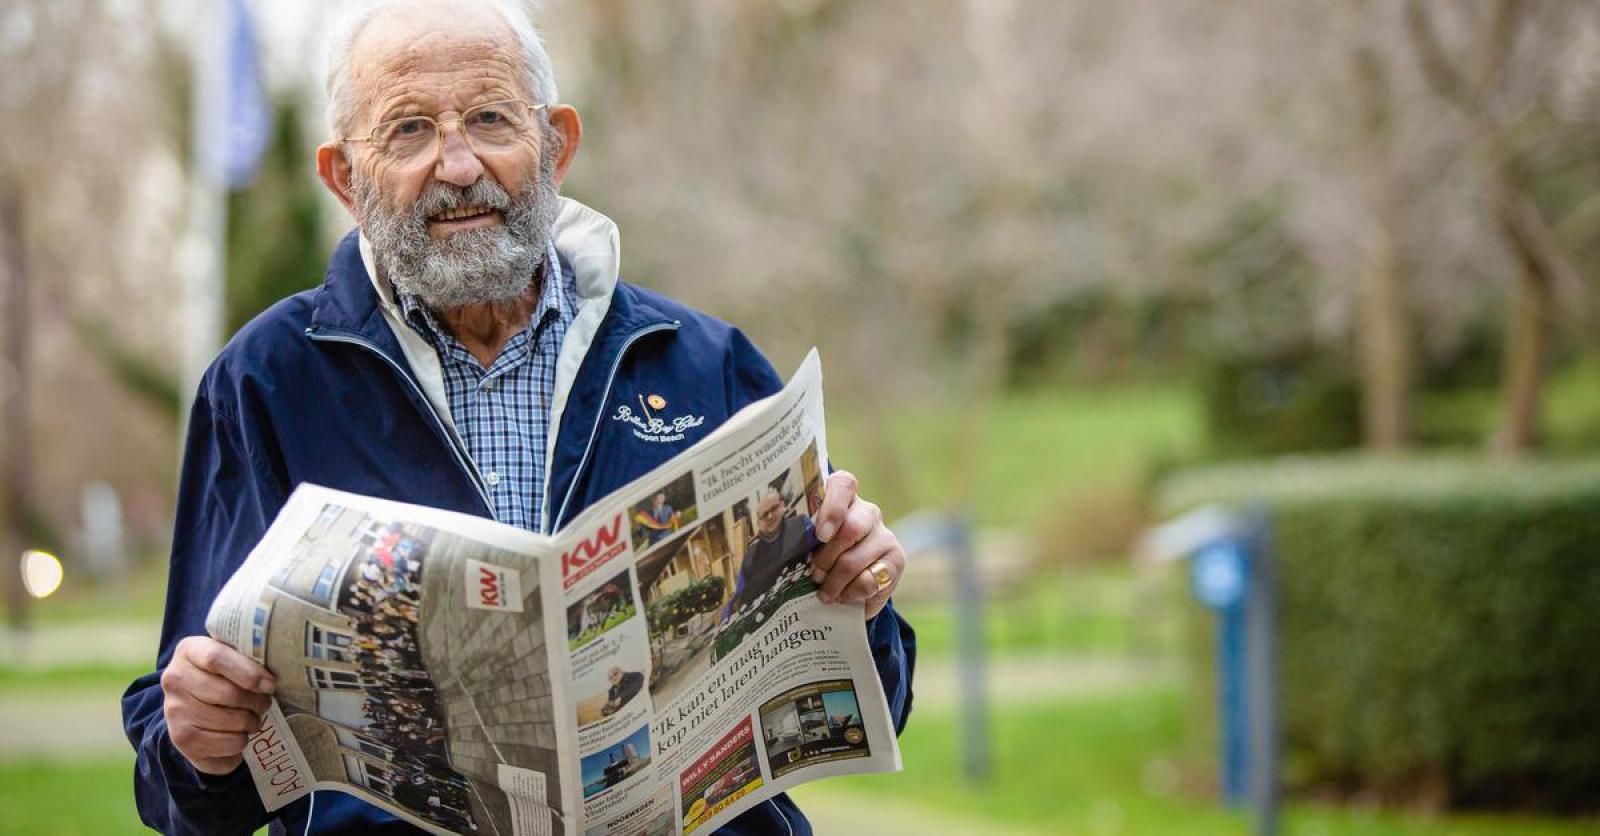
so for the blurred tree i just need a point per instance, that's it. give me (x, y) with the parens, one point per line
(889, 171)
(1383, 322)
(89, 163)
(1496, 75)
(918, 181)
(15, 383)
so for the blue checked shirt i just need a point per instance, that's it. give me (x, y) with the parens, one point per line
(503, 412)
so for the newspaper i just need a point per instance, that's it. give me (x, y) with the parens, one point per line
(657, 667)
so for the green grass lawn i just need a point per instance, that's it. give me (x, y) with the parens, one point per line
(99, 678)
(52, 798)
(1040, 447)
(1111, 765)
(1100, 766)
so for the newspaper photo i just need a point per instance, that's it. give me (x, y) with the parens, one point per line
(656, 667)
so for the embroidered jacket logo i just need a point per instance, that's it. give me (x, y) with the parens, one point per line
(648, 427)
(589, 554)
(491, 587)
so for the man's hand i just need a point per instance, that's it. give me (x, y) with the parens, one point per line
(213, 698)
(854, 544)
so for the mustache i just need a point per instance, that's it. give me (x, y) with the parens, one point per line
(442, 197)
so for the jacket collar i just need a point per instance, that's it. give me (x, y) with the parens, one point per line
(347, 303)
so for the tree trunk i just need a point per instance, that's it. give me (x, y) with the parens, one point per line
(1384, 337)
(1529, 318)
(1523, 372)
(1384, 348)
(1543, 264)
(15, 474)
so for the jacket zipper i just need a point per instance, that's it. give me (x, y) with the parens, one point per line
(600, 411)
(463, 459)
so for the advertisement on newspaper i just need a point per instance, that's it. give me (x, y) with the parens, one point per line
(658, 666)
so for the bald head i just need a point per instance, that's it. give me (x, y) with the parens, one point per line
(389, 39)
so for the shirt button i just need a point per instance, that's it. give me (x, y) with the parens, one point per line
(492, 478)
(488, 384)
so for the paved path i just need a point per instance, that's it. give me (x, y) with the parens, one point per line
(834, 813)
(112, 643)
(1018, 680)
(61, 726)
(70, 721)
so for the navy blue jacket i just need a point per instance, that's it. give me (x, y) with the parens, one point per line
(317, 389)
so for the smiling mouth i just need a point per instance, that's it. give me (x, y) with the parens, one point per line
(465, 213)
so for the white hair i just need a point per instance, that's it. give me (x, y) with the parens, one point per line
(341, 113)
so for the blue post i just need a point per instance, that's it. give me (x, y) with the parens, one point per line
(1234, 744)
(1221, 581)
(1261, 613)
(1232, 571)
(969, 649)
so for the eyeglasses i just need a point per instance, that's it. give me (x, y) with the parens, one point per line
(488, 128)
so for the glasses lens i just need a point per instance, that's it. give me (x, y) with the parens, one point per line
(407, 139)
(496, 125)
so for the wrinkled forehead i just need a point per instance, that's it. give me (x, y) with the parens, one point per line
(428, 52)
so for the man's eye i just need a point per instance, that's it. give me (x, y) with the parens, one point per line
(488, 118)
(409, 127)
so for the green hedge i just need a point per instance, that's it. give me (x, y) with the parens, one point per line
(1439, 625)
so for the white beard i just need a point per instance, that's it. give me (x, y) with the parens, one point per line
(472, 267)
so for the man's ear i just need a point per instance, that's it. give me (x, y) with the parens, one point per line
(333, 167)
(564, 119)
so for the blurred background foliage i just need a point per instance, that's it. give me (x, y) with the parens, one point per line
(1063, 259)
(1435, 618)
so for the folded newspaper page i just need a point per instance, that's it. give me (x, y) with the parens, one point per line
(657, 667)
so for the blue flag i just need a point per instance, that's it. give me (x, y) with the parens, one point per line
(248, 129)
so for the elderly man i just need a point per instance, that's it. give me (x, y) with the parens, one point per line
(469, 349)
(625, 685)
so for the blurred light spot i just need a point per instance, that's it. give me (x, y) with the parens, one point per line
(41, 573)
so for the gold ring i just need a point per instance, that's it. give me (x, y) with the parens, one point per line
(881, 575)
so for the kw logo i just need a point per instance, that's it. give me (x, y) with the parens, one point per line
(491, 587)
(489, 584)
(590, 553)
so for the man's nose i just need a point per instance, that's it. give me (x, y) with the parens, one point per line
(458, 164)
